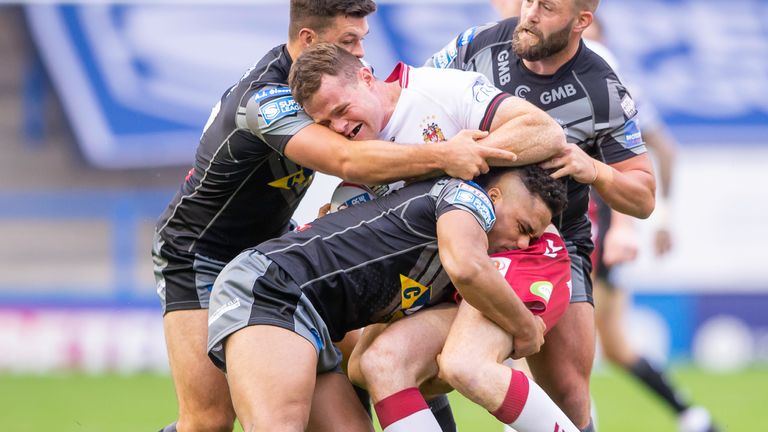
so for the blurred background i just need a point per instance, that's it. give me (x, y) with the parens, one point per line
(102, 105)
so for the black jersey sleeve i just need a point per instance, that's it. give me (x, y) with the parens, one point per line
(616, 131)
(455, 194)
(271, 113)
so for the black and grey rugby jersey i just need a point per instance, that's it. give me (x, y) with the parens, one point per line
(242, 189)
(377, 260)
(584, 96)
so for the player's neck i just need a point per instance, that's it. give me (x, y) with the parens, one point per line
(550, 65)
(295, 49)
(389, 96)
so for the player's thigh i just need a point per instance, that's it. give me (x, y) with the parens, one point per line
(335, 406)
(271, 373)
(564, 364)
(404, 354)
(474, 339)
(367, 336)
(200, 386)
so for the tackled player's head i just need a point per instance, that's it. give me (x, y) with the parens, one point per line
(342, 22)
(525, 199)
(547, 27)
(338, 91)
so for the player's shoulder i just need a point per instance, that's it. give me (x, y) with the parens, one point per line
(591, 64)
(493, 33)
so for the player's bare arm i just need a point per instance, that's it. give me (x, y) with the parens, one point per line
(628, 186)
(374, 161)
(463, 250)
(526, 130)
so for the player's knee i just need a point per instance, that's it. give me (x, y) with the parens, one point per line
(457, 371)
(381, 360)
(289, 417)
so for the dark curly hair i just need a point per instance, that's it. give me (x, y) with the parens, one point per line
(537, 180)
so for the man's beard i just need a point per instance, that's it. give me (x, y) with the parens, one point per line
(544, 47)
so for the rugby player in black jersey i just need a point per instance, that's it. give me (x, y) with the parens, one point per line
(540, 57)
(277, 308)
(254, 163)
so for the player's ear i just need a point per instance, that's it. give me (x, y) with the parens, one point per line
(583, 20)
(307, 37)
(365, 75)
(494, 193)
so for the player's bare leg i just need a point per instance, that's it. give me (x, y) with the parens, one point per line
(610, 306)
(392, 363)
(201, 388)
(397, 359)
(335, 406)
(472, 362)
(564, 364)
(271, 373)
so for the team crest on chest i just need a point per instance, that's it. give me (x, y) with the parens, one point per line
(430, 131)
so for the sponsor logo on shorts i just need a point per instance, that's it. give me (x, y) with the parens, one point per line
(542, 289)
(299, 178)
(228, 306)
(279, 108)
(502, 264)
(413, 295)
(552, 250)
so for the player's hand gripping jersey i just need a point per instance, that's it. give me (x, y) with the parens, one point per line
(584, 96)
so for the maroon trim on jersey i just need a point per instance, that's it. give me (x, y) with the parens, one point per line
(490, 111)
(401, 72)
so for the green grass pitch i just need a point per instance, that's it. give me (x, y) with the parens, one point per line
(146, 402)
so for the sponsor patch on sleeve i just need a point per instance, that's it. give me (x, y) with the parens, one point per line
(278, 108)
(477, 202)
(632, 136)
(628, 105)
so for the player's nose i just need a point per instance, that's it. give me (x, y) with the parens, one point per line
(358, 50)
(339, 126)
(523, 241)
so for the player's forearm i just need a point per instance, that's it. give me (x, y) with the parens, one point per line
(631, 192)
(486, 291)
(377, 162)
(534, 137)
